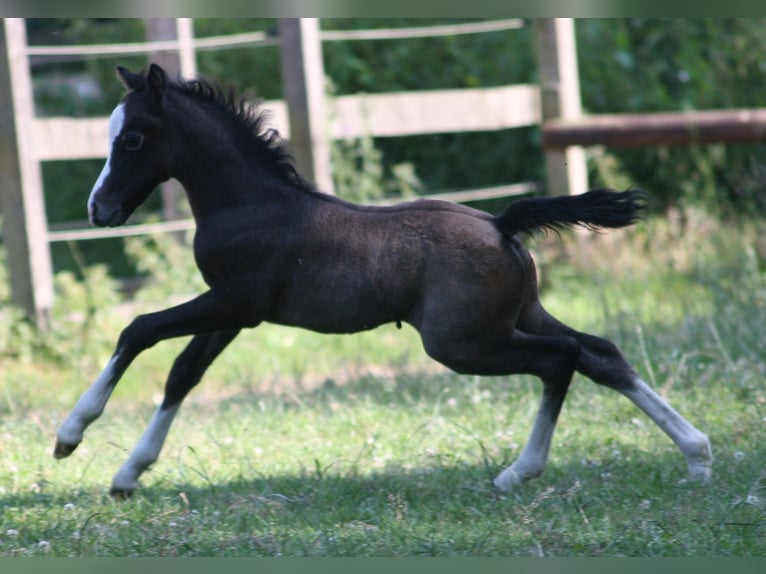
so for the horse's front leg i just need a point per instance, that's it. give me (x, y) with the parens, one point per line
(90, 405)
(187, 371)
(206, 313)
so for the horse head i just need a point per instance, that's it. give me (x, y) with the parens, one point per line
(140, 154)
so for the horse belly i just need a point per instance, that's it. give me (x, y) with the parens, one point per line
(334, 311)
(342, 303)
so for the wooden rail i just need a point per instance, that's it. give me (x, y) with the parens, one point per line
(379, 115)
(46, 54)
(82, 233)
(666, 128)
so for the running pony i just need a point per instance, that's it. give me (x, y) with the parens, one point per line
(272, 248)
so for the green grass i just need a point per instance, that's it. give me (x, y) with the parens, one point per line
(304, 445)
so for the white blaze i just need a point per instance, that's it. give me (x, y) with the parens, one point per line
(116, 121)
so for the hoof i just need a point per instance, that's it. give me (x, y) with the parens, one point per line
(700, 473)
(120, 493)
(62, 450)
(700, 463)
(508, 479)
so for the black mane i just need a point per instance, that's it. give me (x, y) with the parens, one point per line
(247, 117)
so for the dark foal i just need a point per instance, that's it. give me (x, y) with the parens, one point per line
(272, 248)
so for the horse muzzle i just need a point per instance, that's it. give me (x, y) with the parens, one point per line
(102, 216)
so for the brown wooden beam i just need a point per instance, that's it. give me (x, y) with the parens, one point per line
(650, 129)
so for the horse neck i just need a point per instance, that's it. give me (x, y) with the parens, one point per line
(217, 171)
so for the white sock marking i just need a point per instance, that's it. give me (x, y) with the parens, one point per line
(534, 457)
(694, 444)
(88, 408)
(147, 451)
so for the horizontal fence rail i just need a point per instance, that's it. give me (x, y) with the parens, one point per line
(43, 54)
(82, 234)
(377, 115)
(423, 31)
(36, 53)
(665, 128)
(437, 111)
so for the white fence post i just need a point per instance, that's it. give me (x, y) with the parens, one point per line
(158, 29)
(304, 90)
(186, 51)
(25, 227)
(566, 169)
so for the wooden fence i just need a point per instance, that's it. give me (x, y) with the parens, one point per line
(302, 117)
(309, 119)
(304, 114)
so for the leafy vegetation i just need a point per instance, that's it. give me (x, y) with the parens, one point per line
(652, 64)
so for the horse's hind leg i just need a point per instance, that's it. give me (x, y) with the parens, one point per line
(186, 372)
(693, 443)
(553, 359)
(601, 361)
(533, 458)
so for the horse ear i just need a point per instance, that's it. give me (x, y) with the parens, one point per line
(157, 80)
(131, 81)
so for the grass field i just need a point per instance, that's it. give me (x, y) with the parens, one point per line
(304, 445)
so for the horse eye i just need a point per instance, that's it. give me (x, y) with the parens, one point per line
(133, 141)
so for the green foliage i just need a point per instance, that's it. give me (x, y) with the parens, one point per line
(359, 174)
(16, 333)
(467, 61)
(442, 162)
(84, 310)
(253, 69)
(55, 97)
(166, 265)
(652, 65)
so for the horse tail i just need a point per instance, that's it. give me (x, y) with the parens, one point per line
(594, 210)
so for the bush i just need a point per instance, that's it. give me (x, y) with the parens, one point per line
(654, 64)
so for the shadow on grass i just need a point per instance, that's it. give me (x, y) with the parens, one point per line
(637, 505)
(632, 475)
